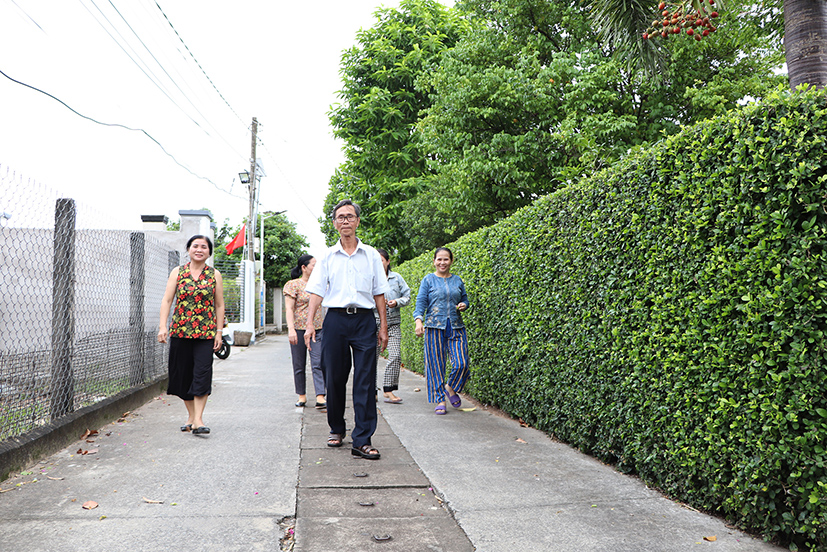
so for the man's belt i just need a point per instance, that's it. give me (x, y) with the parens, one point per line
(349, 310)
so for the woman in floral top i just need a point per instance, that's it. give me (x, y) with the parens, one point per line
(296, 302)
(195, 332)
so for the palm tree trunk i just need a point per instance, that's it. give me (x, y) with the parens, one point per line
(805, 41)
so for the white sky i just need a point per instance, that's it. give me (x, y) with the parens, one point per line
(119, 61)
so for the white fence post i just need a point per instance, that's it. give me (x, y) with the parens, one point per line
(278, 320)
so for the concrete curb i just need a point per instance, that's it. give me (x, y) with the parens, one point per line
(19, 452)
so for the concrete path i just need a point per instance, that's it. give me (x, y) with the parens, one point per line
(226, 491)
(466, 481)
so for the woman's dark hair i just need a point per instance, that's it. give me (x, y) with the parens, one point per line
(199, 237)
(438, 249)
(385, 255)
(296, 271)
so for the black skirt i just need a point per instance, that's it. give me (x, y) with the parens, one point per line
(190, 367)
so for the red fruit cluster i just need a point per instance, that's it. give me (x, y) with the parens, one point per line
(682, 16)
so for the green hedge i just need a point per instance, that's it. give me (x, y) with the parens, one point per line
(667, 315)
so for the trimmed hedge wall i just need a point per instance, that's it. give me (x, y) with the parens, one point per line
(668, 314)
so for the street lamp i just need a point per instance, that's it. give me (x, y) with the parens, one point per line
(250, 180)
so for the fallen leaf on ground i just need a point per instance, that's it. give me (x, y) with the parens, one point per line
(469, 409)
(148, 501)
(89, 433)
(711, 539)
(54, 478)
(522, 423)
(520, 440)
(90, 505)
(416, 390)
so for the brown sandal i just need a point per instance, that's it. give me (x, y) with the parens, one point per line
(365, 451)
(335, 440)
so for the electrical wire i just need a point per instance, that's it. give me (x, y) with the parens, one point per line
(158, 62)
(154, 79)
(27, 15)
(161, 65)
(145, 133)
(287, 180)
(196, 62)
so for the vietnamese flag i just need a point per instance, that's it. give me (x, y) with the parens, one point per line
(238, 241)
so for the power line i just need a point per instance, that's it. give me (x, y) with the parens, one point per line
(158, 62)
(286, 180)
(196, 62)
(154, 79)
(145, 133)
(161, 65)
(27, 15)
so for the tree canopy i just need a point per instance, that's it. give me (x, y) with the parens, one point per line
(453, 119)
(379, 108)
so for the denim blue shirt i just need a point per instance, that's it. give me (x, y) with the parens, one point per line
(437, 301)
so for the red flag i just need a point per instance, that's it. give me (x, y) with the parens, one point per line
(238, 241)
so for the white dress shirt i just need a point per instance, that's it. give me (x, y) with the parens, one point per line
(348, 280)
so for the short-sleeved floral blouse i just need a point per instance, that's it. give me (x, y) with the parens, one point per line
(194, 316)
(295, 289)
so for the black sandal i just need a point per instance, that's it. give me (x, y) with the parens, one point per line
(365, 451)
(335, 440)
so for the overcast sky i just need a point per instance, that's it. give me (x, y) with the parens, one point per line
(193, 86)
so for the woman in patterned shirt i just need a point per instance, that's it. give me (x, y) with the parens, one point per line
(195, 332)
(296, 303)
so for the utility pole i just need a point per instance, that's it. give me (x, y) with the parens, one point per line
(251, 220)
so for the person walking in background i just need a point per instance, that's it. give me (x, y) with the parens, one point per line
(349, 281)
(195, 332)
(398, 296)
(296, 302)
(440, 301)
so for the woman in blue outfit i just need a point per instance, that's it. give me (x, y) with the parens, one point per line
(440, 301)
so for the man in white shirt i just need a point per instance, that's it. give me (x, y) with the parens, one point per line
(349, 280)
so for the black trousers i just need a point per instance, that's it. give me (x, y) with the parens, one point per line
(350, 338)
(190, 367)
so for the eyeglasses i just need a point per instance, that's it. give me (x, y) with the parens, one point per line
(342, 218)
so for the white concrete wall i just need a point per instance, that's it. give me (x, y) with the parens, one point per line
(102, 280)
(193, 223)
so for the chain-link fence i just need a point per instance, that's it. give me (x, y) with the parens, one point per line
(233, 277)
(79, 306)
